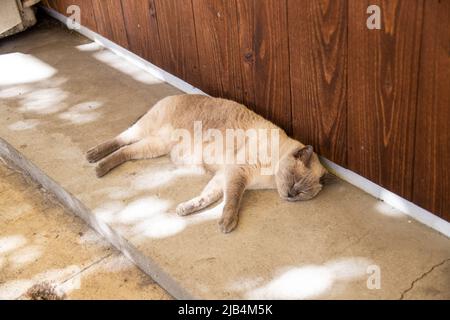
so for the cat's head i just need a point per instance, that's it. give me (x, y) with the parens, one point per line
(300, 175)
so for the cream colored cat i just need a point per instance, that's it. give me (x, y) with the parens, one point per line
(297, 174)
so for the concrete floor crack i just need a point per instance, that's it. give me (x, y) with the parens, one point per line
(423, 275)
(86, 268)
(74, 275)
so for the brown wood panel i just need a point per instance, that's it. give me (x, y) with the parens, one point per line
(51, 4)
(86, 10)
(178, 40)
(56, 5)
(264, 57)
(218, 47)
(382, 75)
(432, 148)
(142, 29)
(318, 70)
(110, 22)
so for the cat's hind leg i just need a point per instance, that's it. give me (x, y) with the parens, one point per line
(147, 148)
(129, 136)
(236, 181)
(210, 194)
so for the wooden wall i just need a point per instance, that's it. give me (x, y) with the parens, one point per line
(374, 101)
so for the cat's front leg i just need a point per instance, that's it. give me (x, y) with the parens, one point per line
(236, 181)
(210, 194)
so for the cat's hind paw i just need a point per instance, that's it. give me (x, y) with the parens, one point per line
(101, 169)
(93, 155)
(228, 223)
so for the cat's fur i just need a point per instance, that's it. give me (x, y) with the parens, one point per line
(298, 175)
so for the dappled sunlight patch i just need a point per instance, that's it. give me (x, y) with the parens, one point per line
(153, 216)
(15, 252)
(135, 211)
(24, 125)
(106, 211)
(68, 277)
(89, 47)
(44, 101)
(14, 91)
(213, 212)
(11, 290)
(90, 237)
(150, 216)
(25, 256)
(79, 118)
(166, 224)
(82, 113)
(395, 201)
(86, 106)
(160, 225)
(160, 176)
(349, 268)
(298, 283)
(116, 263)
(143, 215)
(19, 68)
(117, 62)
(62, 274)
(310, 281)
(53, 82)
(387, 210)
(141, 209)
(11, 243)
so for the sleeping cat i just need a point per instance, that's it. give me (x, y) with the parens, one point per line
(297, 173)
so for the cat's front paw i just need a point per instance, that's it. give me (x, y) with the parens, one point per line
(228, 223)
(183, 209)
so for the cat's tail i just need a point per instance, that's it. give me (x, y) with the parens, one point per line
(129, 136)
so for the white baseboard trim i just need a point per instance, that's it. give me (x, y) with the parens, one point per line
(129, 56)
(392, 199)
(375, 190)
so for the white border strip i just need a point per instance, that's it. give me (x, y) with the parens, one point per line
(375, 190)
(409, 208)
(128, 55)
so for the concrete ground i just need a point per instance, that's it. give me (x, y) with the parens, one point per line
(62, 94)
(41, 244)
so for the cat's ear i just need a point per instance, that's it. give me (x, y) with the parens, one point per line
(304, 154)
(328, 178)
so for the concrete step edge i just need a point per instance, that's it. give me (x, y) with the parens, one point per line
(73, 205)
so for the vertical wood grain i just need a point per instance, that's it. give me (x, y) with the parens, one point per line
(383, 67)
(86, 10)
(142, 29)
(318, 67)
(178, 40)
(218, 48)
(54, 4)
(432, 148)
(110, 21)
(264, 58)
(58, 5)
(86, 13)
